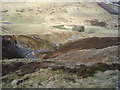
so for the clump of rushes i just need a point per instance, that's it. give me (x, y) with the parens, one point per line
(60, 27)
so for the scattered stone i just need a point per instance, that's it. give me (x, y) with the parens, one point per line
(4, 11)
(22, 10)
(51, 79)
(68, 79)
(14, 82)
(96, 22)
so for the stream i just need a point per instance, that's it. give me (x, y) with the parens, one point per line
(27, 53)
(31, 54)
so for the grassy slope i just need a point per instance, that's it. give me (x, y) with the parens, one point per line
(47, 77)
(32, 23)
(68, 11)
(44, 15)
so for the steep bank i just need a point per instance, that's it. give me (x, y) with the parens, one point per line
(19, 46)
(9, 50)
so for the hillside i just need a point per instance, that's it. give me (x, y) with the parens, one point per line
(34, 18)
(59, 45)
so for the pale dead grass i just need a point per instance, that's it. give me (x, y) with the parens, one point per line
(62, 12)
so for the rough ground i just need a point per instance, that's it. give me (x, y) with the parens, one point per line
(56, 13)
(8, 52)
(37, 18)
(52, 74)
(87, 43)
(14, 46)
(86, 59)
(109, 54)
